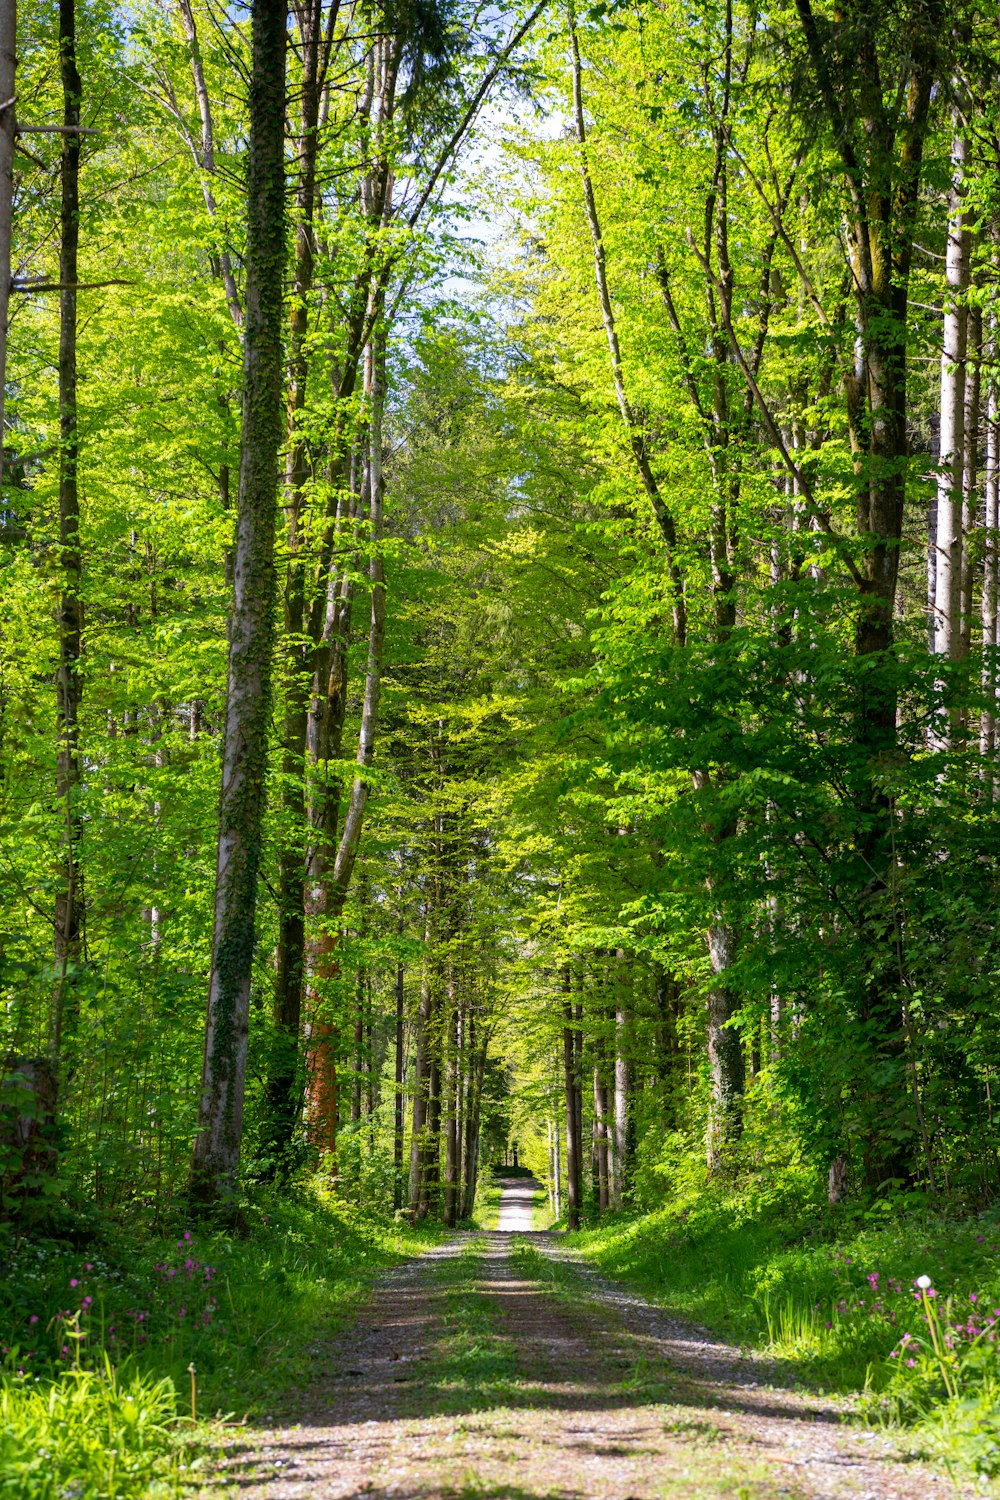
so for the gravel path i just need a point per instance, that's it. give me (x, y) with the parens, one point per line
(594, 1395)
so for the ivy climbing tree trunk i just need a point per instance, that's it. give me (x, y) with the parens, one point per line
(216, 1155)
(69, 897)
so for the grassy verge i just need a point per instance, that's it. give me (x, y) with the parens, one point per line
(99, 1339)
(487, 1210)
(834, 1296)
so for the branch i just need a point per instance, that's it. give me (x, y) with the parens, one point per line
(65, 286)
(470, 114)
(54, 129)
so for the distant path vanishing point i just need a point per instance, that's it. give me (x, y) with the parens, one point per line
(496, 1367)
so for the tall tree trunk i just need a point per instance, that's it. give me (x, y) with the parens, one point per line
(572, 1099)
(8, 63)
(622, 1081)
(948, 581)
(557, 1158)
(281, 1105)
(451, 1105)
(970, 475)
(991, 574)
(216, 1155)
(725, 1053)
(359, 1046)
(422, 1071)
(601, 1130)
(397, 1112)
(69, 685)
(478, 1057)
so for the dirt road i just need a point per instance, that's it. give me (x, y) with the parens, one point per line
(494, 1367)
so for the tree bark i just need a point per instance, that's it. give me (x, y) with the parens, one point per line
(451, 1105)
(282, 1089)
(69, 911)
(419, 1123)
(8, 64)
(970, 476)
(601, 1132)
(572, 1120)
(991, 576)
(622, 1081)
(948, 571)
(216, 1155)
(397, 1113)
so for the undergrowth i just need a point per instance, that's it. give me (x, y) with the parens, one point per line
(833, 1295)
(111, 1342)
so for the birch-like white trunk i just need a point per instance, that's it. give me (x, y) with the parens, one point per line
(948, 556)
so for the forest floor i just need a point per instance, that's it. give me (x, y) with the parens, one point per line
(496, 1365)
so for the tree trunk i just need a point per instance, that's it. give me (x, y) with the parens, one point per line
(359, 1046)
(948, 580)
(216, 1155)
(725, 1054)
(557, 1158)
(8, 63)
(622, 1154)
(991, 576)
(282, 1089)
(601, 1130)
(970, 475)
(397, 1113)
(572, 1121)
(422, 1070)
(68, 935)
(451, 1106)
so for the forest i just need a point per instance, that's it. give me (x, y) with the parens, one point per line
(499, 683)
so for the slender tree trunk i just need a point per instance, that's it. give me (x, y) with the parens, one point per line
(430, 1191)
(970, 475)
(557, 1157)
(451, 1105)
(572, 1121)
(359, 1045)
(216, 1155)
(601, 1129)
(622, 1083)
(69, 684)
(725, 1053)
(422, 1070)
(397, 1116)
(991, 576)
(8, 62)
(948, 581)
(472, 1124)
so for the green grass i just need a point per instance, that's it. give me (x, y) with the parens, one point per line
(830, 1295)
(99, 1337)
